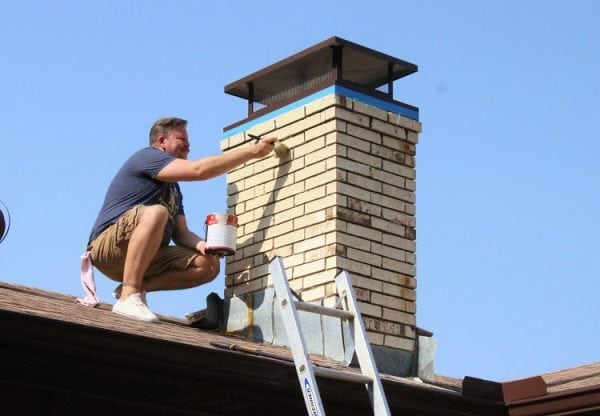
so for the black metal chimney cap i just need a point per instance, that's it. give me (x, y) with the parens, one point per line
(333, 60)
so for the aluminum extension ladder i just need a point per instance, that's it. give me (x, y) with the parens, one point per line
(305, 370)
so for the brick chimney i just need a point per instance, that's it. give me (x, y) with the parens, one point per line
(343, 199)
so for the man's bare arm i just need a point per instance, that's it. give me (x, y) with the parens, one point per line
(212, 166)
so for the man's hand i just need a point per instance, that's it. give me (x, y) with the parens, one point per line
(264, 146)
(201, 247)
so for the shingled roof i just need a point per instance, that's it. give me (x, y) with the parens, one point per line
(64, 358)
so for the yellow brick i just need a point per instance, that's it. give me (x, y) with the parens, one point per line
(389, 252)
(310, 194)
(320, 104)
(245, 218)
(366, 283)
(364, 207)
(399, 316)
(323, 203)
(364, 182)
(242, 289)
(289, 190)
(393, 302)
(290, 117)
(399, 217)
(302, 125)
(323, 277)
(375, 338)
(412, 137)
(279, 229)
(384, 200)
(238, 267)
(394, 277)
(364, 158)
(289, 238)
(364, 232)
(256, 248)
(321, 228)
(310, 219)
(316, 254)
(353, 142)
(292, 213)
(400, 145)
(402, 121)
(309, 171)
(388, 129)
(366, 309)
(279, 206)
(242, 196)
(309, 146)
(232, 188)
(307, 269)
(399, 291)
(350, 191)
(363, 256)
(256, 179)
(328, 152)
(362, 133)
(388, 177)
(400, 267)
(399, 343)
(324, 178)
(351, 266)
(309, 244)
(327, 124)
(352, 117)
(370, 110)
(352, 241)
(238, 175)
(355, 166)
(313, 294)
(262, 129)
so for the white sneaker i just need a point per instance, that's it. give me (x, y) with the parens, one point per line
(134, 307)
(117, 293)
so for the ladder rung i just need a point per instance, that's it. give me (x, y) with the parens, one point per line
(342, 375)
(311, 307)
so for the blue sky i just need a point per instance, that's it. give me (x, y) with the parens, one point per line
(507, 165)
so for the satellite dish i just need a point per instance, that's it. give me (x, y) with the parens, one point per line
(4, 221)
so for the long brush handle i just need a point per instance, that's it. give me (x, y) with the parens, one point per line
(252, 136)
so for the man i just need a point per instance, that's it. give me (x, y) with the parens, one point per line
(143, 212)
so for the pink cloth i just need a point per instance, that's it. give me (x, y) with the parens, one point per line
(87, 281)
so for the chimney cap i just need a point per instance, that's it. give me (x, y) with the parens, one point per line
(334, 60)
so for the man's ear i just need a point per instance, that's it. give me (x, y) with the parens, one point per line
(161, 141)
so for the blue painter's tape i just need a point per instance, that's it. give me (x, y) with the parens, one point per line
(334, 89)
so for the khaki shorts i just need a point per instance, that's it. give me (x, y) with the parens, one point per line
(109, 249)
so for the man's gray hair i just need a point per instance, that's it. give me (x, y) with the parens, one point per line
(163, 126)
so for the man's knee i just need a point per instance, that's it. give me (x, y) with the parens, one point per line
(215, 267)
(157, 214)
(207, 268)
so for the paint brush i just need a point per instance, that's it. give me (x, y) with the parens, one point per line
(280, 149)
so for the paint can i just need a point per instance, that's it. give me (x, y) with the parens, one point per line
(221, 234)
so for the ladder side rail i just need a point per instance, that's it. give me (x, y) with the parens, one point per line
(304, 367)
(362, 346)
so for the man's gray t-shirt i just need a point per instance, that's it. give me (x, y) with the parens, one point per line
(133, 185)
